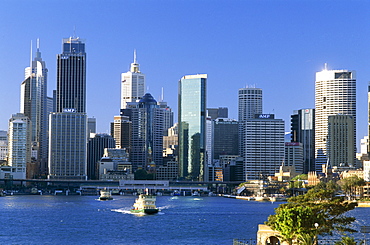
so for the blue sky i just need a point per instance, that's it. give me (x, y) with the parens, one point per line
(275, 45)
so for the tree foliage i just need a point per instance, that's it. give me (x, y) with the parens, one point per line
(301, 177)
(319, 205)
(351, 185)
(346, 241)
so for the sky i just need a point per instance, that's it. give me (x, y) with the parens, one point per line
(275, 45)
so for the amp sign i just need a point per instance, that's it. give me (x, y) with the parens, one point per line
(265, 116)
(69, 110)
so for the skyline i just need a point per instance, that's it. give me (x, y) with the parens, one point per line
(277, 46)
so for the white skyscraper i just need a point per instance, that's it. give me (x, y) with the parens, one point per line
(34, 106)
(132, 84)
(335, 93)
(250, 104)
(19, 145)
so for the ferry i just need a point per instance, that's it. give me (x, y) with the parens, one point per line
(145, 204)
(105, 195)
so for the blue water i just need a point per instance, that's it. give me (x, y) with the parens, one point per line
(86, 220)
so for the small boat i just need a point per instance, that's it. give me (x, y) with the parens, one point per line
(145, 204)
(195, 193)
(175, 193)
(105, 195)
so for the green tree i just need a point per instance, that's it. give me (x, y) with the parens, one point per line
(346, 241)
(351, 186)
(306, 239)
(300, 177)
(319, 205)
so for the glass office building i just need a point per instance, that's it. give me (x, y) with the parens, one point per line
(192, 119)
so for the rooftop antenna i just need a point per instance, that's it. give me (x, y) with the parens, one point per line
(74, 32)
(31, 58)
(135, 56)
(326, 66)
(162, 95)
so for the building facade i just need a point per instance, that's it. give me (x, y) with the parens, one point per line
(95, 151)
(264, 146)
(147, 134)
(221, 112)
(249, 104)
(68, 124)
(303, 131)
(341, 146)
(3, 145)
(335, 93)
(132, 84)
(34, 106)
(225, 137)
(192, 120)
(121, 132)
(294, 156)
(19, 145)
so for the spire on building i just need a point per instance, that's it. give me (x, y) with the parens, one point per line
(135, 65)
(38, 53)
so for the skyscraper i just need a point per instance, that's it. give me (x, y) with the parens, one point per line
(19, 145)
(95, 150)
(192, 120)
(168, 116)
(132, 84)
(121, 132)
(147, 133)
(340, 146)
(68, 125)
(303, 131)
(264, 146)
(225, 137)
(335, 93)
(3, 145)
(34, 106)
(250, 104)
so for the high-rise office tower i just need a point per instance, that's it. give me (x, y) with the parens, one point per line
(167, 117)
(221, 112)
(225, 137)
(19, 145)
(209, 144)
(303, 131)
(3, 145)
(340, 145)
(192, 120)
(132, 84)
(249, 104)
(95, 150)
(34, 106)
(91, 125)
(264, 146)
(335, 93)
(120, 130)
(294, 156)
(147, 134)
(68, 125)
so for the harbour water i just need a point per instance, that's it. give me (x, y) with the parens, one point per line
(51, 219)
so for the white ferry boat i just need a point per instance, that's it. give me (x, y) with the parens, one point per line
(105, 195)
(145, 204)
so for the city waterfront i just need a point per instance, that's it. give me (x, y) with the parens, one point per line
(49, 219)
